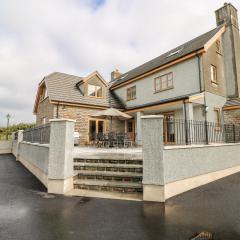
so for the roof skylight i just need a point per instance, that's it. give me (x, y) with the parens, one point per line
(174, 53)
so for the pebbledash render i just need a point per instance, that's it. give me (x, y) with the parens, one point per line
(198, 80)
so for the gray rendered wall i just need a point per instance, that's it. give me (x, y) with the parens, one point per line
(185, 80)
(183, 163)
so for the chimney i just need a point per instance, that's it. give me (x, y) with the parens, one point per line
(115, 74)
(228, 14)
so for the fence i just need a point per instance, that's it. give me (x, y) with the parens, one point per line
(182, 132)
(40, 134)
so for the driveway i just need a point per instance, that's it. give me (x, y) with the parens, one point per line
(27, 212)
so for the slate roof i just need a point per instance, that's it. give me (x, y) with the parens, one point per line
(180, 51)
(62, 87)
(232, 102)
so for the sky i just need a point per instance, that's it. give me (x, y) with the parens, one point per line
(81, 36)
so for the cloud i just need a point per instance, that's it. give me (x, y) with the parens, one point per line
(80, 36)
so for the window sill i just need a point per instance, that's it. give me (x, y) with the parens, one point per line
(166, 89)
(131, 99)
(214, 83)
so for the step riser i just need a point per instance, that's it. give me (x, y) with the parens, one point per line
(110, 178)
(108, 188)
(108, 169)
(139, 162)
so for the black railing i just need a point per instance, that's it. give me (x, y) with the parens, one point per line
(40, 134)
(15, 135)
(184, 132)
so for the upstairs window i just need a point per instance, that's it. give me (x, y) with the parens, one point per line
(213, 71)
(95, 91)
(131, 93)
(163, 82)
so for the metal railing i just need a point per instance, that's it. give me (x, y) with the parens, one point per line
(184, 132)
(40, 134)
(15, 136)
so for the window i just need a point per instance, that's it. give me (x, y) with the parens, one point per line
(44, 120)
(218, 47)
(217, 113)
(213, 71)
(131, 93)
(95, 91)
(163, 82)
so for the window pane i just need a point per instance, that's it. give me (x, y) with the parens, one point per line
(99, 92)
(91, 90)
(164, 82)
(157, 84)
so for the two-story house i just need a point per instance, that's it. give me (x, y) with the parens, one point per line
(195, 81)
(192, 81)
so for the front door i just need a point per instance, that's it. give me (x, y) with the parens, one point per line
(96, 126)
(131, 129)
(169, 129)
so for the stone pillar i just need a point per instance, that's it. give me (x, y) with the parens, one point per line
(152, 147)
(139, 128)
(19, 139)
(189, 111)
(60, 166)
(188, 114)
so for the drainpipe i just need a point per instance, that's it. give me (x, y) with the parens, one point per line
(199, 73)
(205, 103)
(186, 123)
(57, 115)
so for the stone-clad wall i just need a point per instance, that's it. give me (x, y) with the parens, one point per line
(232, 116)
(82, 115)
(45, 109)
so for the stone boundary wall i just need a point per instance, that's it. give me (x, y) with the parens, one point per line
(192, 166)
(35, 158)
(169, 171)
(51, 163)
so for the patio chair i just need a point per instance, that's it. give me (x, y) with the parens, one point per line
(127, 141)
(120, 139)
(112, 139)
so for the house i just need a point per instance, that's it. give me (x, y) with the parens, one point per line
(193, 81)
(62, 95)
(198, 80)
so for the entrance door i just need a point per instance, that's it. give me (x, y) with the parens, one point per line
(169, 129)
(95, 126)
(131, 129)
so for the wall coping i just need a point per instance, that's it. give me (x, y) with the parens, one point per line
(152, 117)
(62, 120)
(200, 146)
(35, 144)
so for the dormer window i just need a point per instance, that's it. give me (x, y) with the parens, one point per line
(95, 91)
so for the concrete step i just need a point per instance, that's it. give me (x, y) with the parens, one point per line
(137, 168)
(110, 176)
(113, 186)
(109, 161)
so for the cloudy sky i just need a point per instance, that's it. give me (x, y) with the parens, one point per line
(80, 36)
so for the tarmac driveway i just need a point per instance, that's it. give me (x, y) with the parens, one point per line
(27, 212)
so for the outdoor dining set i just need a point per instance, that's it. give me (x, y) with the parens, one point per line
(112, 140)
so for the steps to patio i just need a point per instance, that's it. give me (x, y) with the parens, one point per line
(113, 174)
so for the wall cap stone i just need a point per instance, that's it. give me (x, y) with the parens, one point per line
(152, 117)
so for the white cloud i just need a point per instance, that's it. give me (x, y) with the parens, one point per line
(77, 37)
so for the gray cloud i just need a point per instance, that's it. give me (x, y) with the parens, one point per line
(80, 36)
